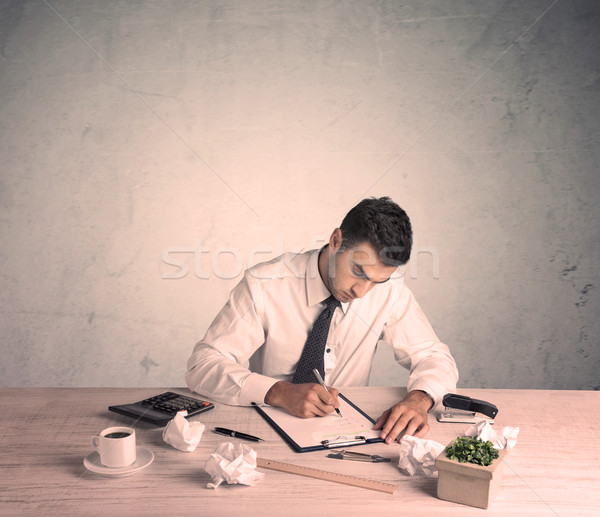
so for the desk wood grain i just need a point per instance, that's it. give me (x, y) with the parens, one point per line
(45, 434)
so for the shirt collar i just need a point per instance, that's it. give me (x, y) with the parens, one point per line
(316, 290)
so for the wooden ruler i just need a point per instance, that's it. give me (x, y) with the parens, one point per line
(344, 479)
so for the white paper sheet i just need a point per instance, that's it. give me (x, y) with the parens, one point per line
(182, 434)
(234, 464)
(501, 439)
(417, 456)
(309, 432)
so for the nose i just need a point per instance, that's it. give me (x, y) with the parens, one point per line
(361, 287)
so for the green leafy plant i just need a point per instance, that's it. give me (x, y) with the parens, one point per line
(472, 450)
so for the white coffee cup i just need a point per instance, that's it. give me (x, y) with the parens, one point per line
(116, 446)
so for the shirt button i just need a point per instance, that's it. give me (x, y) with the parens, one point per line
(328, 350)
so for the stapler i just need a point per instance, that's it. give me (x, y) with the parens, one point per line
(464, 410)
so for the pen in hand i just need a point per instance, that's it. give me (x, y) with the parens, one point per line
(322, 383)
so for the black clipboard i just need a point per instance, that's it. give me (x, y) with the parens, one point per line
(302, 433)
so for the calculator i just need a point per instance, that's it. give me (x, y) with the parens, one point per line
(160, 409)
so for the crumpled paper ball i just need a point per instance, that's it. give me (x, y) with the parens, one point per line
(505, 439)
(234, 464)
(182, 434)
(417, 456)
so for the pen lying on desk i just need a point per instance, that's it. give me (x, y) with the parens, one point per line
(358, 456)
(236, 434)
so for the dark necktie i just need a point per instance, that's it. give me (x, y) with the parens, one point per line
(314, 349)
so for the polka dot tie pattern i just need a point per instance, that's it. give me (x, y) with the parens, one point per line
(314, 349)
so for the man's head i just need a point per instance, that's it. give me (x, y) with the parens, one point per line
(374, 239)
(384, 225)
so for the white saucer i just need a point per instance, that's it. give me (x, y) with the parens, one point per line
(143, 458)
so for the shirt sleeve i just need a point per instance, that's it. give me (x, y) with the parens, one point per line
(417, 348)
(216, 367)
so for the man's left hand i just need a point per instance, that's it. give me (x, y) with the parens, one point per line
(409, 415)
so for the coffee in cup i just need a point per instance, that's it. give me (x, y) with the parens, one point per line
(116, 446)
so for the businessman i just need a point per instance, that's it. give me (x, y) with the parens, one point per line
(327, 309)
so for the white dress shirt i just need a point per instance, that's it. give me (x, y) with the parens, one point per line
(258, 336)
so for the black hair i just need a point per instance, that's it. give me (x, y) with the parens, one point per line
(384, 225)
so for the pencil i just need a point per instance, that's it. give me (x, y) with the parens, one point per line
(322, 383)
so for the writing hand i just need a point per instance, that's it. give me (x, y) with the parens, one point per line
(409, 415)
(303, 400)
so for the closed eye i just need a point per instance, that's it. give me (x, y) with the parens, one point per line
(359, 272)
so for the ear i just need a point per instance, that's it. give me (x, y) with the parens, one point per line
(335, 241)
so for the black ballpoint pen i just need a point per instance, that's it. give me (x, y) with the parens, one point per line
(236, 434)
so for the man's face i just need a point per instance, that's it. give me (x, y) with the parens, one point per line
(353, 272)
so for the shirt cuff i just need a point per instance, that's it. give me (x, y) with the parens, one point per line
(434, 389)
(255, 388)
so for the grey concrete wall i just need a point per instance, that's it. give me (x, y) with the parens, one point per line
(152, 149)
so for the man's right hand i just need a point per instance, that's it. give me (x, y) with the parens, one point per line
(303, 400)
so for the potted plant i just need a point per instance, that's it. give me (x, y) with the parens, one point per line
(470, 472)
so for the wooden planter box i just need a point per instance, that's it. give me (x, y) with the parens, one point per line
(469, 483)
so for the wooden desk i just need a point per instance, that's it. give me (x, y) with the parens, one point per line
(45, 434)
